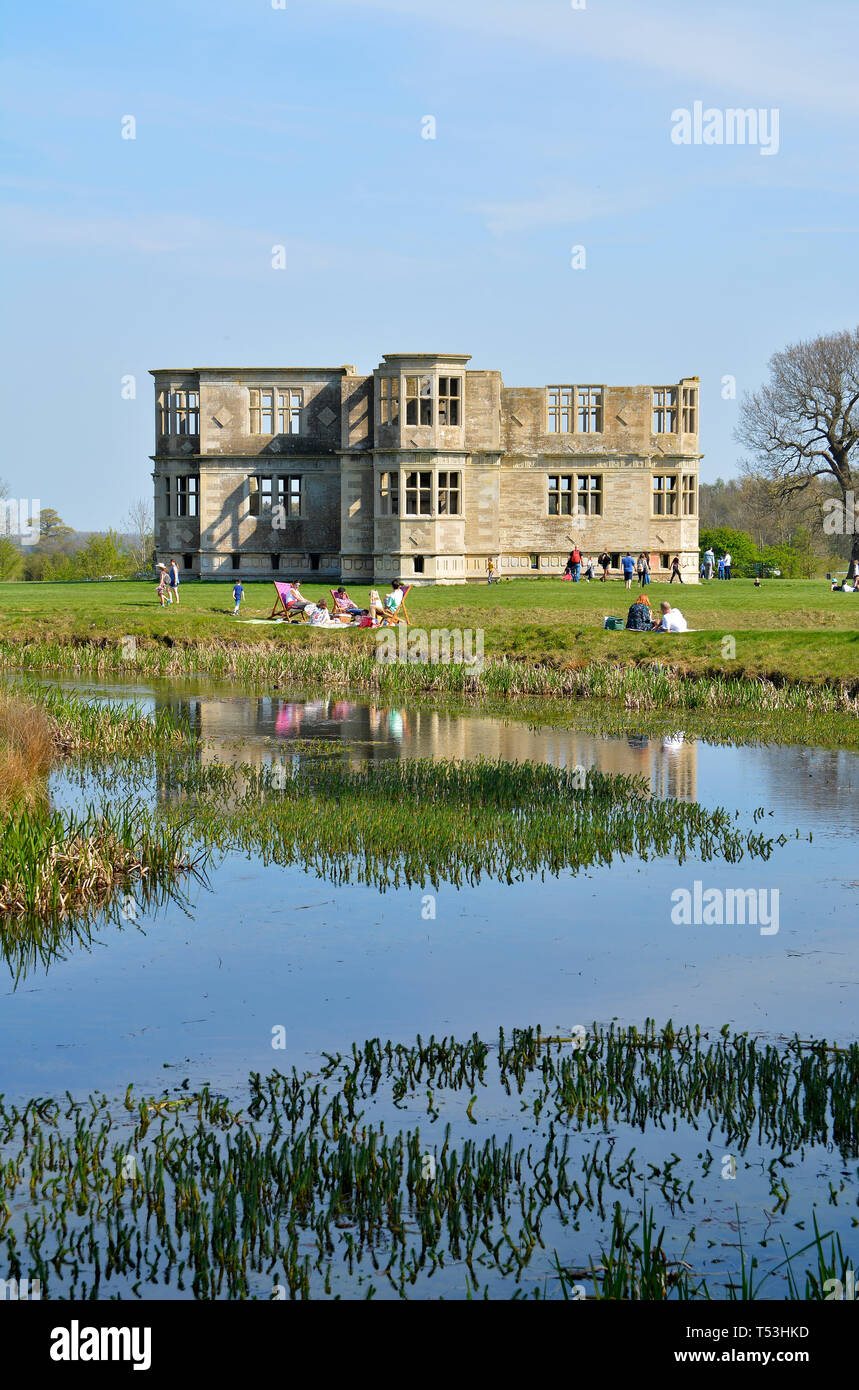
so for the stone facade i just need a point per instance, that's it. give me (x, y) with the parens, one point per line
(422, 471)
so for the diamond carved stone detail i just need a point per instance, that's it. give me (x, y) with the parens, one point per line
(326, 416)
(222, 417)
(517, 421)
(187, 447)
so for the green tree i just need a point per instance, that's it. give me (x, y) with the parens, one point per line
(722, 540)
(52, 526)
(10, 558)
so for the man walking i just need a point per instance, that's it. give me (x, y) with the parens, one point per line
(627, 564)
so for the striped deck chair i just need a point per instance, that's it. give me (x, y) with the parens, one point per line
(344, 615)
(400, 614)
(285, 596)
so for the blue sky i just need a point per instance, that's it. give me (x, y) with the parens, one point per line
(301, 126)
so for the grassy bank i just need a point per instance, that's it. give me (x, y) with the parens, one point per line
(788, 631)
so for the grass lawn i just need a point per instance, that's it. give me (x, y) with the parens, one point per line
(794, 629)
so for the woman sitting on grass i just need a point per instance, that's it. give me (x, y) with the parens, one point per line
(639, 618)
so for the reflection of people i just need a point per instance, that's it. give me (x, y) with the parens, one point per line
(672, 619)
(289, 718)
(672, 742)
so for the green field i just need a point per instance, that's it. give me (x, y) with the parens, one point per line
(794, 630)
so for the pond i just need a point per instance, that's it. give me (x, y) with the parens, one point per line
(270, 966)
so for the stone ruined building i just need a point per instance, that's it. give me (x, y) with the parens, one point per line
(422, 471)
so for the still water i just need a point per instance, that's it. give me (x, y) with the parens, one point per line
(197, 991)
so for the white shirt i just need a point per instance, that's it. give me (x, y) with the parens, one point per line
(674, 621)
(728, 561)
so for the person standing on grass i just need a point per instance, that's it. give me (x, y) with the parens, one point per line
(576, 561)
(645, 568)
(174, 581)
(709, 564)
(727, 564)
(605, 563)
(627, 564)
(589, 571)
(161, 591)
(238, 595)
(492, 577)
(675, 570)
(720, 569)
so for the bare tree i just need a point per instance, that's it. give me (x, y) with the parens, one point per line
(139, 526)
(804, 425)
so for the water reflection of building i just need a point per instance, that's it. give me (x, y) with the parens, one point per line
(259, 730)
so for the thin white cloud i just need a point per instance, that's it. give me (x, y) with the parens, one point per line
(793, 61)
(554, 208)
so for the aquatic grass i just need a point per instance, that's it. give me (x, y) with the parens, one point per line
(60, 865)
(421, 821)
(292, 1186)
(654, 684)
(81, 725)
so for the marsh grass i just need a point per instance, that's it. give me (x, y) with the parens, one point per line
(652, 685)
(424, 821)
(27, 751)
(311, 1180)
(61, 865)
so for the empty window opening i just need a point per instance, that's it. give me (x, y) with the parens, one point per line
(590, 409)
(448, 400)
(448, 494)
(560, 404)
(665, 410)
(419, 399)
(418, 494)
(690, 409)
(664, 494)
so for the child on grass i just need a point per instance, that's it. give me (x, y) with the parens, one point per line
(238, 595)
